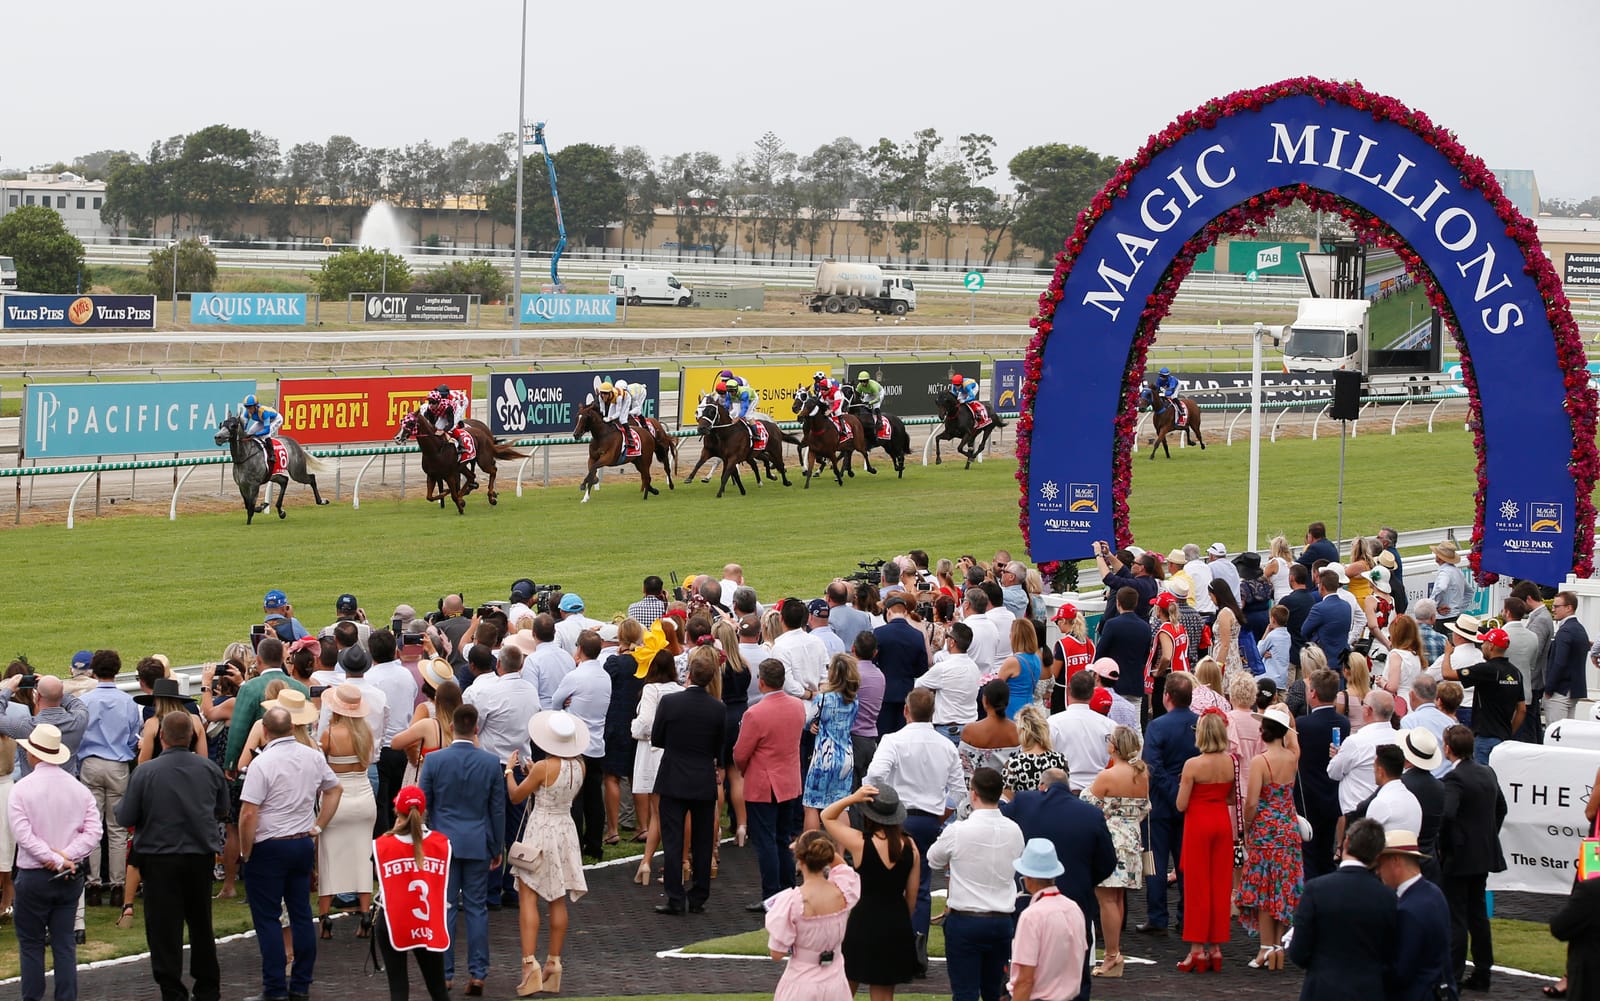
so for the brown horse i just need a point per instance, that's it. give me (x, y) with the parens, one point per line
(606, 449)
(959, 425)
(821, 437)
(441, 463)
(731, 442)
(488, 451)
(1164, 415)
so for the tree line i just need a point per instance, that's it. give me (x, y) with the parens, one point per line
(907, 195)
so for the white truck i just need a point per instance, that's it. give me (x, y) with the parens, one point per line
(849, 288)
(8, 275)
(649, 286)
(1327, 335)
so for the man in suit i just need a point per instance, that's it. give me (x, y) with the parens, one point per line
(689, 730)
(1328, 623)
(902, 657)
(1081, 839)
(466, 803)
(1319, 793)
(1344, 926)
(1422, 754)
(768, 753)
(1565, 678)
(1168, 743)
(1469, 838)
(1422, 942)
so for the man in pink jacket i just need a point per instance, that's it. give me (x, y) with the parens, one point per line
(768, 753)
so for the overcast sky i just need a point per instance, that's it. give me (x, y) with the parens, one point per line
(1515, 81)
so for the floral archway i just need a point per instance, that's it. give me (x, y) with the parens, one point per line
(1513, 305)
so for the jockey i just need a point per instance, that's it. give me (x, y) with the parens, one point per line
(1167, 387)
(621, 401)
(636, 401)
(966, 390)
(262, 422)
(738, 397)
(870, 395)
(448, 413)
(829, 391)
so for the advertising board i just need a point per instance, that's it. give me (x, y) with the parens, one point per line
(546, 403)
(350, 411)
(69, 420)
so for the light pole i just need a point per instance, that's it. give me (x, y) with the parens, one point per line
(1256, 336)
(516, 260)
(174, 246)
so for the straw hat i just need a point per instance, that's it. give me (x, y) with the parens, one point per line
(294, 702)
(436, 671)
(345, 700)
(1386, 560)
(1467, 627)
(1278, 713)
(558, 733)
(1401, 843)
(1177, 557)
(1446, 551)
(1179, 588)
(44, 743)
(1421, 748)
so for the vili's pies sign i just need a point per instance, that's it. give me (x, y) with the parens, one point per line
(349, 411)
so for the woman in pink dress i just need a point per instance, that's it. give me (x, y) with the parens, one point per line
(1244, 743)
(806, 924)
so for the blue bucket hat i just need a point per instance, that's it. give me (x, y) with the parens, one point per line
(1039, 860)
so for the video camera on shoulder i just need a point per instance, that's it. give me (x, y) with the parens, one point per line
(871, 572)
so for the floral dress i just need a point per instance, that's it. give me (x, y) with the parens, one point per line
(1272, 875)
(1124, 814)
(833, 765)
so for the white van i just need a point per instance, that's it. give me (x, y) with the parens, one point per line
(639, 286)
(8, 274)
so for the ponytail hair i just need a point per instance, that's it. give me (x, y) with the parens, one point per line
(1125, 744)
(410, 825)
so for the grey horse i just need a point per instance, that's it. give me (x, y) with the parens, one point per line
(250, 468)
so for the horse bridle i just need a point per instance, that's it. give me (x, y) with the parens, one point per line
(709, 404)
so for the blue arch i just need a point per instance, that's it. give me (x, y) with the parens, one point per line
(1530, 502)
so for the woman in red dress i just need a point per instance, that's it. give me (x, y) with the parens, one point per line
(1204, 794)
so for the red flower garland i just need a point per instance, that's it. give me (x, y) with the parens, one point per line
(1580, 401)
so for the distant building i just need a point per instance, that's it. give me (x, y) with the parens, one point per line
(1521, 188)
(75, 199)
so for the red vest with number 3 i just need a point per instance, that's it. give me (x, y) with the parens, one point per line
(413, 899)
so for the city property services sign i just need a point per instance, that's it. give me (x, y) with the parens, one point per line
(546, 403)
(72, 420)
(121, 312)
(248, 309)
(416, 307)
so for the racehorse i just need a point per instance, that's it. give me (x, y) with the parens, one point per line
(960, 425)
(821, 437)
(252, 466)
(488, 450)
(1165, 416)
(606, 449)
(733, 443)
(897, 444)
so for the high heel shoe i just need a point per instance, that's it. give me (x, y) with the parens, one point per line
(1196, 962)
(552, 975)
(532, 977)
(1275, 961)
(365, 928)
(642, 876)
(1111, 966)
(1216, 961)
(1263, 959)
(327, 926)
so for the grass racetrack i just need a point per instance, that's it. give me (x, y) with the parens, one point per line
(186, 588)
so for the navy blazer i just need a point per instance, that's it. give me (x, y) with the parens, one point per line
(1344, 935)
(902, 657)
(1328, 626)
(1474, 809)
(1321, 549)
(689, 729)
(466, 790)
(1319, 793)
(1078, 830)
(1422, 945)
(1168, 744)
(1565, 673)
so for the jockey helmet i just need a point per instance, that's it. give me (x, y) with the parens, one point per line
(250, 402)
(863, 376)
(435, 398)
(956, 380)
(443, 390)
(606, 387)
(820, 377)
(725, 374)
(1165, 371)
(621, 386)
(722, 385)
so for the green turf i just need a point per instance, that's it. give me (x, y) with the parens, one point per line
(189, 587)
(1389, 318)
(1527, 945)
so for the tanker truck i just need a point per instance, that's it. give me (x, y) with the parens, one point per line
(848, 288)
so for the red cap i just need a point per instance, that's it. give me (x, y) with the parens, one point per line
(1066, 613)
(1495, 637)
(1100, 701)
(1166, 599)
(410, 798)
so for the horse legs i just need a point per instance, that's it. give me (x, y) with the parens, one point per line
(283, 488)
(866, 458)
(311, 481)
(711, 471)
(588, 482)
(643, 465)
(249, 498)
(811, 462)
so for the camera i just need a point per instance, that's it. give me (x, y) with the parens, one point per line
(256, 632)
(871, 571)
(411, 639)
(29, 680)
